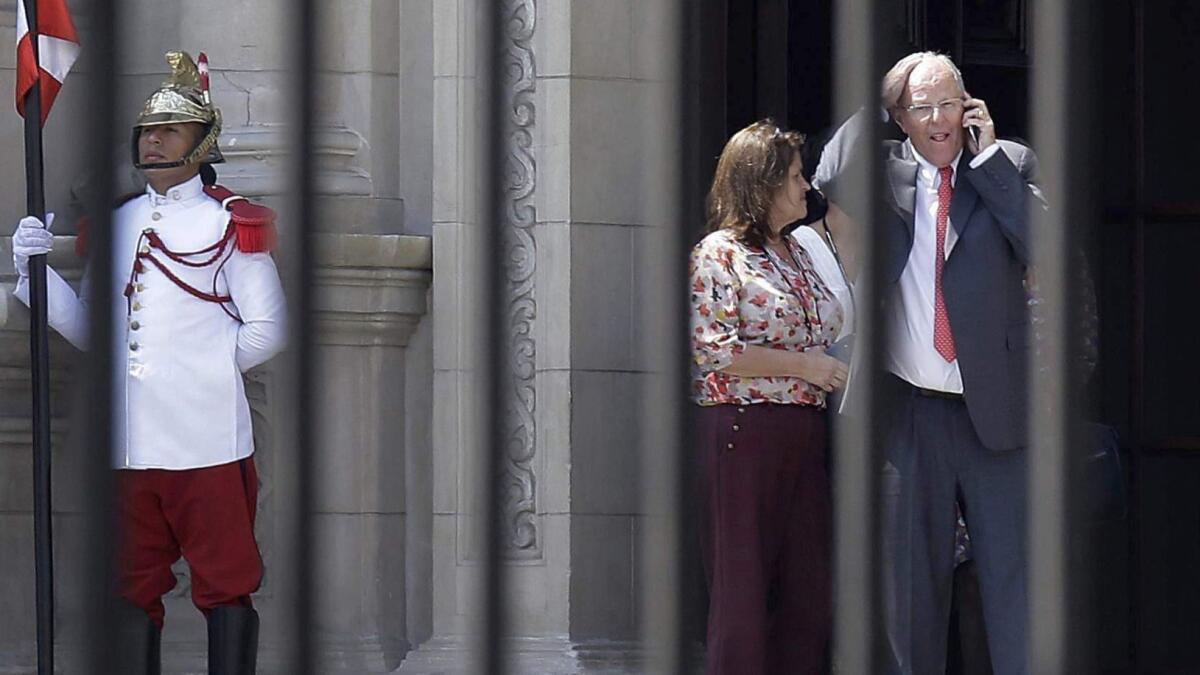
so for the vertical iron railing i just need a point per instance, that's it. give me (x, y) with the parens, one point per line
(858, 64)
(490, 224)
(1047, 458)
(1138, 334)
(305, 48)
(98, 600)
(688, 196)
(1062, 104)
(857, 559)
(672, 162)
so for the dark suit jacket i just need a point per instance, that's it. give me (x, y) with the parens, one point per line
(984, 274)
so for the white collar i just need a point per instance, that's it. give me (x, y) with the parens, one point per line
(178, 194)
(927, 172)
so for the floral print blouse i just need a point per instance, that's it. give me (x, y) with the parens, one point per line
(743, 296)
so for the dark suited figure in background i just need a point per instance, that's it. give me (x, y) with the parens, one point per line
(955, 246)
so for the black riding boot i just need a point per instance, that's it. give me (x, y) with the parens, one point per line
(232, 641)
(138, 639)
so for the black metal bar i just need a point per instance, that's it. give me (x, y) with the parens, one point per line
(491, 220)
(306, 48)
(673, 172)
(1047, 506)
(100, 634)
(858, 619)
(689, 191)
(39, 349)
(1064, 98)
(1137, 337)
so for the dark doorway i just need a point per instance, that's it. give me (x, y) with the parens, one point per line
(774, 58)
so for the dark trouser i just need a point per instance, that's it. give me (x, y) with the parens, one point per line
(765, 533)
(968, 653)
(934, 457)
(207, 516)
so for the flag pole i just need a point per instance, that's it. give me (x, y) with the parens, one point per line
(40, 353)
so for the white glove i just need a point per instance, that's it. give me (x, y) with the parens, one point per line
(30, 239)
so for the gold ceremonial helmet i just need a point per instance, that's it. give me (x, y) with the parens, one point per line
(183, 97)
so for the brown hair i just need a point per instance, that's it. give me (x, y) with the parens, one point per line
(752, 167)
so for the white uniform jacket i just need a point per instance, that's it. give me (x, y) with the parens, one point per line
(179, 400)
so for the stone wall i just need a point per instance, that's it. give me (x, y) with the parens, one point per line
(582, 81)
(397, 153)
(374, 342)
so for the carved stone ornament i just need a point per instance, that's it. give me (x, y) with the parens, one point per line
(520, 181)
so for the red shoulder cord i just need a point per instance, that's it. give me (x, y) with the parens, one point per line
(218, 250)
(251, 229)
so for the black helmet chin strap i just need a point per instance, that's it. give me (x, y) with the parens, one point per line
(159, 165)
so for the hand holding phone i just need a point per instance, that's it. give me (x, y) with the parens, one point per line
(978, 123)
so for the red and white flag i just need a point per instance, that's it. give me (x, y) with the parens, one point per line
(57, 49)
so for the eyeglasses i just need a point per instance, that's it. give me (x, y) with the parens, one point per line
(923, 111)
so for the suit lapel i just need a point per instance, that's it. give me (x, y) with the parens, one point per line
(965, 196)
(902, 176)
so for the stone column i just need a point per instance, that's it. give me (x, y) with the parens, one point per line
(370, 285)
(357, 98)
(578, 77)
(371, 295)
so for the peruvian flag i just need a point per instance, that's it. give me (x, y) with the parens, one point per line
(57, 49)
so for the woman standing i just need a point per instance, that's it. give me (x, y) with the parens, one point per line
(761, 320)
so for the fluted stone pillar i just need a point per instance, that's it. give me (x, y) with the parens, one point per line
(578, 81)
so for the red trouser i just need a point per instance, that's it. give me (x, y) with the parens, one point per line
(207, 516)
(765, 531)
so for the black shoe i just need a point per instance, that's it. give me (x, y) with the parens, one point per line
(232, 641)
(138, 640)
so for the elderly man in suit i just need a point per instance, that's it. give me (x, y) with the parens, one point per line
(954, 250)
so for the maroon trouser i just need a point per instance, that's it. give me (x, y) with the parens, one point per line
(207, 516)
(765, 532)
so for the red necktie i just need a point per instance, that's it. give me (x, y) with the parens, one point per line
(943, 339)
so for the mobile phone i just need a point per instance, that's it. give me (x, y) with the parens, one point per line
(971, 129)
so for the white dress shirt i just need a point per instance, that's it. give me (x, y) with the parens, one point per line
(830, 272)
(911, 354)
(179, 401)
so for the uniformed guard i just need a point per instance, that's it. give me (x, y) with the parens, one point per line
(200, 301)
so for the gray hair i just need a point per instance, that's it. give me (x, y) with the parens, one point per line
(897, 78)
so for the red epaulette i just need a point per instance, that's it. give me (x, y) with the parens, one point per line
(84, 226)
(255, 223)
